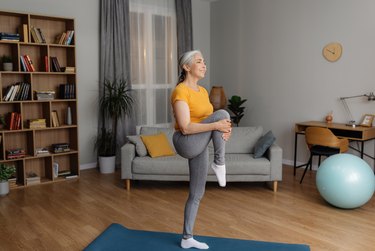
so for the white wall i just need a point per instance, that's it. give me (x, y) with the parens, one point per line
(201, 35)
(270, 52)
(86, 15)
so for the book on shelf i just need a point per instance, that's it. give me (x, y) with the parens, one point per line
(71, 176)
(67, 91)
(24, 33)
(55, 66)
(16, 92)
(26, 64)
(64, 173)
(55, 119)
(37, 35)
(13, 121)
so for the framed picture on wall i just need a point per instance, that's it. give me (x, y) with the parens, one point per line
(367, 120)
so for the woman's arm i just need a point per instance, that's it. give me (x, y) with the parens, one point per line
(182, 114)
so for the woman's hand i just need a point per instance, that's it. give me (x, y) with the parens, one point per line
(226, 135)
(224, 125)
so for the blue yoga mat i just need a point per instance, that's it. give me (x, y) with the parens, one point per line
(118, 237)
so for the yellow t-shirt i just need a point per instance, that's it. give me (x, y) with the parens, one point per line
(198, 102)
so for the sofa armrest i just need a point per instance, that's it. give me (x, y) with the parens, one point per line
(127, 156)
(275, 155)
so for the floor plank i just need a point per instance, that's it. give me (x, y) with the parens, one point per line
(69, 215)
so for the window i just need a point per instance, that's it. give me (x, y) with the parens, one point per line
(153, 42)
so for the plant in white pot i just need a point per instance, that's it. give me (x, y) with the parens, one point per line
(115, 103)
(6, 172)
(7, 63)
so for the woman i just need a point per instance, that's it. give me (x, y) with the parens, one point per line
(196, 125)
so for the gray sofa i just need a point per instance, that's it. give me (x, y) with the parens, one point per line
(240, 162)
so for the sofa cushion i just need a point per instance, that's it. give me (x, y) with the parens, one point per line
(157, 145)
(145, 130)
(176, 165)
(263, 144)
(140, 148)
(243, 139)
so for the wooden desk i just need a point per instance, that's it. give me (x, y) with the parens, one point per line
(358, 133)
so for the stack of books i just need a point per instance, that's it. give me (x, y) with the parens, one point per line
(67, 174)
(41, 151)
(68, 69)
(9, 36)
(32, 180)
(13, 182)
(45, 95)
(15, 153)
(36, 123)
(60, 147)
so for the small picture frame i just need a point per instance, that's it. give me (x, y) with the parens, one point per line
(367, 120)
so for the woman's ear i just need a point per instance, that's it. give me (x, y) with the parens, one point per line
(186, 67)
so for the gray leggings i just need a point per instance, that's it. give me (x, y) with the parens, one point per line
(194, 148)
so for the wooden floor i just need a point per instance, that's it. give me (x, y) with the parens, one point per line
(69, 215)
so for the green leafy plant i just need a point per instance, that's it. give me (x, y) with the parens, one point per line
(6, 59)
(235, 107)
(115, 103)
(6, 171)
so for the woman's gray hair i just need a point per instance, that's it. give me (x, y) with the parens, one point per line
(186, 59)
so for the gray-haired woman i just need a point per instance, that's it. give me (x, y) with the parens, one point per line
(196, 125)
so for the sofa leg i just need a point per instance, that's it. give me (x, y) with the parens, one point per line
(127, 184)
(275, 186)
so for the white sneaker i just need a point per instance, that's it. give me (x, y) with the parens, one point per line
(220, 172)
(192, 243)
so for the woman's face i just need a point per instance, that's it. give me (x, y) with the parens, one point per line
(198, 67)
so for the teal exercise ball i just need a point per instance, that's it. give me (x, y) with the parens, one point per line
(345, 181)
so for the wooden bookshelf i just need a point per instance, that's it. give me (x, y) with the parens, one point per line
(31, 107)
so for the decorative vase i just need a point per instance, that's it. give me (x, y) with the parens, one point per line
(218, 98)
(329, 117)
(69, 116)
(107, 164)
(8, 66)
(4, 187)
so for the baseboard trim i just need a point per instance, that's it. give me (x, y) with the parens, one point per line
(88, 166)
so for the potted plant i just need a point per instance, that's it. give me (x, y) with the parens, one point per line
(115, 103)
(6, 172)
(7, 63)
(235, 107)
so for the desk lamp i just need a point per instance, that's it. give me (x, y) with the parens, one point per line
(370, 97)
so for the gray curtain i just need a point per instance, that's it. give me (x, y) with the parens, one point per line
(115, 54)
(184, 26)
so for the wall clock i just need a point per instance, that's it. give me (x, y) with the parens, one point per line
(332, 51)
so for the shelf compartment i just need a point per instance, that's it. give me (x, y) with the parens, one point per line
(20, 174)
(19, 139)
(52, 26)
(45, 138)
(40, 166)
(38, 110)
(67, 162)
(11, 22)
(61, 107)
(36, 52)
(50, 82)
(10, 78)
(10, 49)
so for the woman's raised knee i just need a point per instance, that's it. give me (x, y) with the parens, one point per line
(222, 114)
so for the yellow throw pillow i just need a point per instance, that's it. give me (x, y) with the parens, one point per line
(157, 145)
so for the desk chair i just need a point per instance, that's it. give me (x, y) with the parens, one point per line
(322, 142)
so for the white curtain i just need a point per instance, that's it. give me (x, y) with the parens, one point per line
(153, 43)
